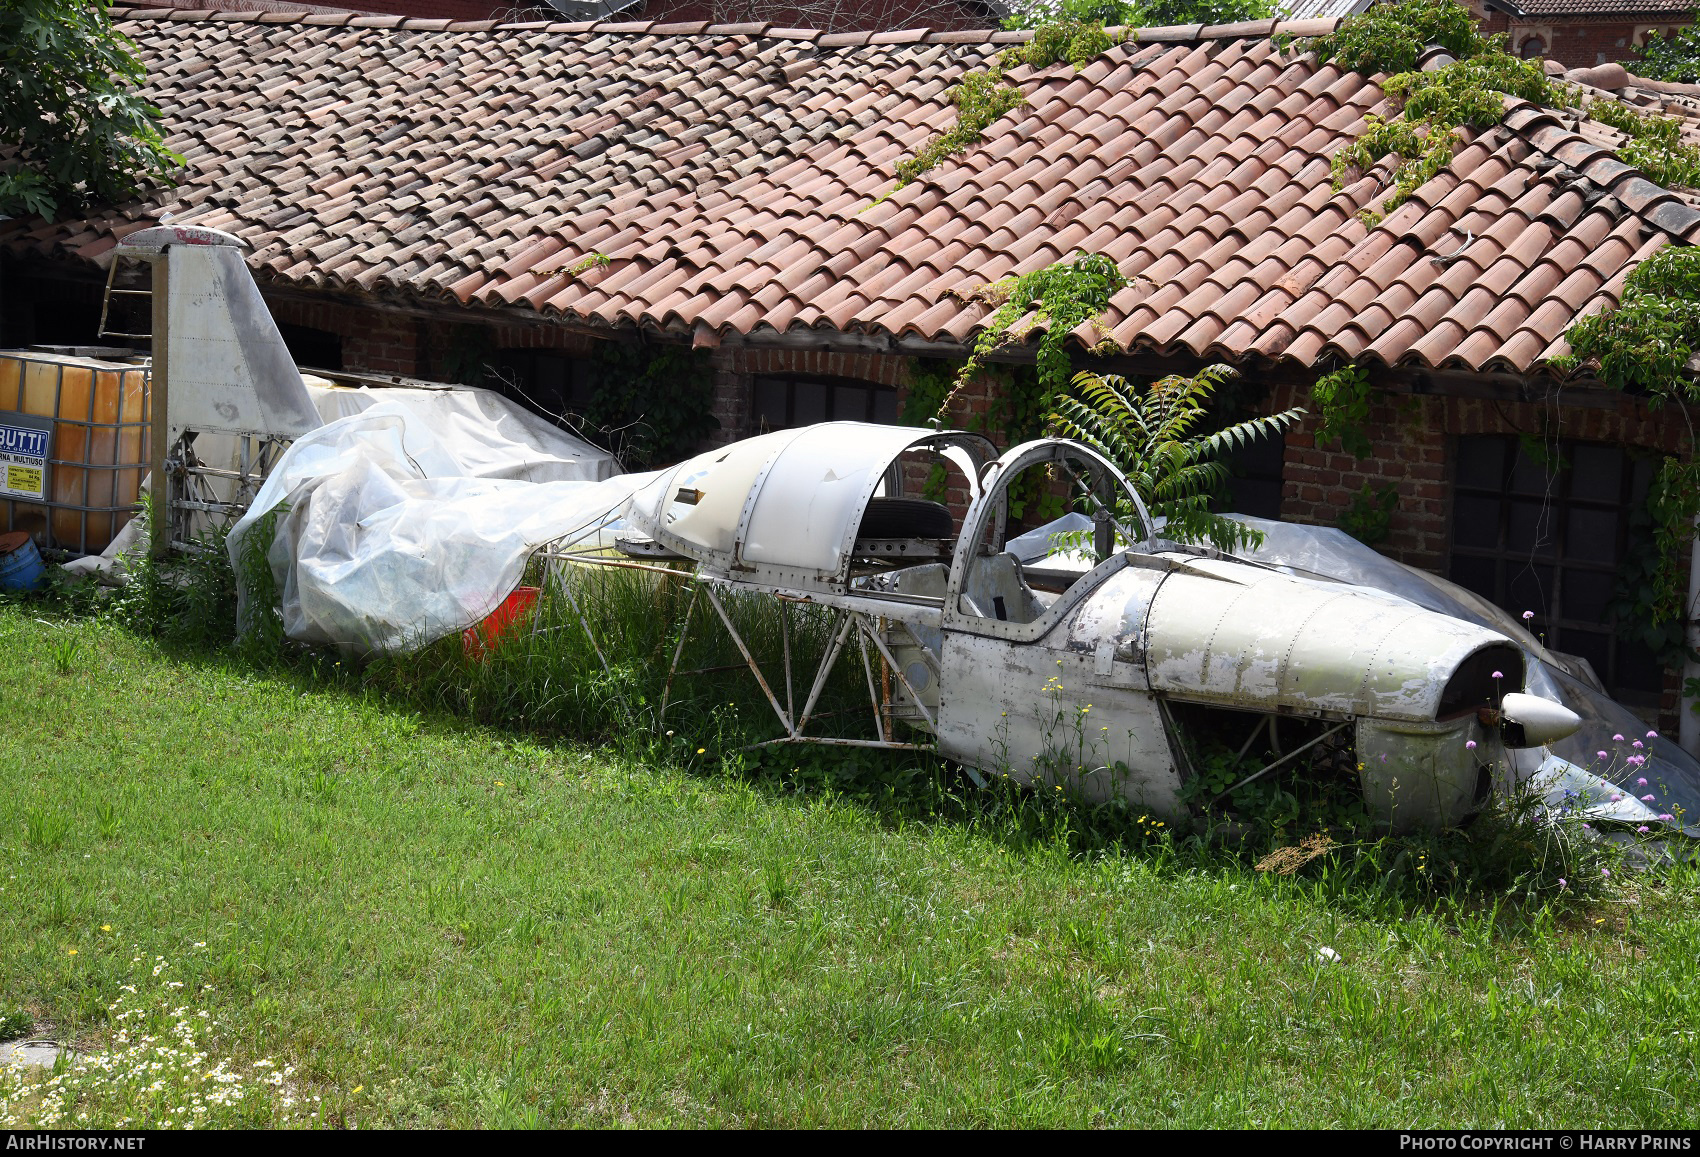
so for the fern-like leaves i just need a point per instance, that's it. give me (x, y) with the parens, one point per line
(1150, 432)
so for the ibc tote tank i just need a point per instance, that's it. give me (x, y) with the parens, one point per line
(98, 415)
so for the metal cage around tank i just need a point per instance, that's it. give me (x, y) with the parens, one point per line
(100, 415)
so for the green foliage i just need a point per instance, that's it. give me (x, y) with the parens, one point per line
(1369, 518)
(1342, 400)
(1060, 297)
(1153, 435)
(1119, 13)
(75, 132)
(1389, 38)
(651, 403)
(1655, 144)
(1644, 347)
(1076, 41)
(980, 99)
(1675, 58)
(1648, 593)
(470, 354)
(185, 598)
(15, 1023)
(586, 264)
(1468, 93)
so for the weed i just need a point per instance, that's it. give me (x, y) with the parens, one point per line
(65, 654)
(46, 831)
(15, 1023)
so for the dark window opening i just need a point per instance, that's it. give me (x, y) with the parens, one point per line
(317, 349)
(1543, 529)
(549, 382)
(1257, 466)
(782, 403)
(1532, 47)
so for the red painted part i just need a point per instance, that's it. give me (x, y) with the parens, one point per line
(481, 640)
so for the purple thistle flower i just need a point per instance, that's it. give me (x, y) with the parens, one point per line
(1527, 615)
(1667, 817)
(1469, 745)
(1642, 828)
(1563, 883)
(1642, 782)
(1499, 674)
(1601, 754)
(1615, 796)
(1605, 872)
(1617, 739)
(1638, 745)
(1648, 798)
(1652, 735)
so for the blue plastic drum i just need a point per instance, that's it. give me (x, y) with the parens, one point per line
(20, 562)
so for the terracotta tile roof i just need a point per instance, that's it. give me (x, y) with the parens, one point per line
(729, 176)
(1613, 9)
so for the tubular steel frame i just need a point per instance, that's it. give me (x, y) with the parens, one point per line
(844, 620)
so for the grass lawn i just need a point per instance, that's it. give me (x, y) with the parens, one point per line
(473, 931)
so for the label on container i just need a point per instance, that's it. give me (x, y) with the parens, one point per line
(25, 441)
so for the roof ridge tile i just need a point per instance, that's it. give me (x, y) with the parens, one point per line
(1170, 34)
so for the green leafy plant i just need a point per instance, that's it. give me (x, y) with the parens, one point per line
(470, 352)
(1342, 400)
(1119, 13)
(1153, 435)
(1432, 106)
(74, 129)
(15, 1023)
(65, 654)
(1675, 57)
(1390, 38)
(45, 831)
(1469, 92)
(1655, 144)
(1369, 518)
(982, 98)
(1060, 297)
(1644, 347)
(650, 402)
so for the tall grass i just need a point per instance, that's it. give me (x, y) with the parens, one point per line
(592, 662)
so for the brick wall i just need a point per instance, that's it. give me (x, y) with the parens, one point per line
(736, 367)
(378, 341)
(1576, 42)
(1412, 439)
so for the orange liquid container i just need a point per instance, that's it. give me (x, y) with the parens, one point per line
(99, 450)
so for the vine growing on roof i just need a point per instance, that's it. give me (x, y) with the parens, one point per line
(982, 98)
(1655, 144)
(1644, 347)
(1430, 107)
(1060, 297)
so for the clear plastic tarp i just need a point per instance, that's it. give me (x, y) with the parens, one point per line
(492, 437)
(1614, 751)
(386, 538)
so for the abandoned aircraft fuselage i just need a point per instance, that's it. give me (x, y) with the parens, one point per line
(1083, 666)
